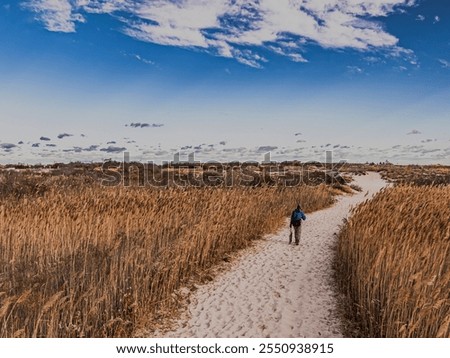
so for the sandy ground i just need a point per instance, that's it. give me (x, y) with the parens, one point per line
(277, 289)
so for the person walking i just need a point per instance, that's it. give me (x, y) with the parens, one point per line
(296, 221)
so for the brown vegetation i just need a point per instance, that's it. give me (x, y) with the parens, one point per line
(416, 174)
(81, 260)
(394, 263)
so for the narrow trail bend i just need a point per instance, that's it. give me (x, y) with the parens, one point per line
(276, 289)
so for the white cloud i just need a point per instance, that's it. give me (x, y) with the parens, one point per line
(355, 70)
(444, 63)
(405, 54)
(56, 15)
(144, 60)
(401, 68)
(248, 57)
(373, 60)
(224, 27)
(436, 19)
(420, 18)
(296, 57)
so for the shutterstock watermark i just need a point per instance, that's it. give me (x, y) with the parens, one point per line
(192, 173)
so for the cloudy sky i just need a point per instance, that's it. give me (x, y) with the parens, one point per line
(225, 79)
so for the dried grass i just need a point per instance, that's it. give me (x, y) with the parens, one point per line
(91, 261)
(394, 263)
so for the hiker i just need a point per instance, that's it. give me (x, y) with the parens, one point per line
(296, 221)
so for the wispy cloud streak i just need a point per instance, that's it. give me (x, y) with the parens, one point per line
(237, 29)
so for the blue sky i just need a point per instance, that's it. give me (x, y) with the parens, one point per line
(226, 79)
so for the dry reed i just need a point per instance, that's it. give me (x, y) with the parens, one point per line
(394, 263)
(102, 262)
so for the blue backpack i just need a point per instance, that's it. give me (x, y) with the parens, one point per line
(297, 218)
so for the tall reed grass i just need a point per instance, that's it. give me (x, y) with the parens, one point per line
(394, 263)
(92, 261)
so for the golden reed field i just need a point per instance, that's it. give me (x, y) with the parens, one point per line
(92, 261)
(393, 263)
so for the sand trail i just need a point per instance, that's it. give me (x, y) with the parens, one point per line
(277, 289)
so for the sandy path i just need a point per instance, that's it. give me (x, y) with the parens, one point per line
(276, 289)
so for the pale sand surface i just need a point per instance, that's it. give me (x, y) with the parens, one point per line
(277, 289)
